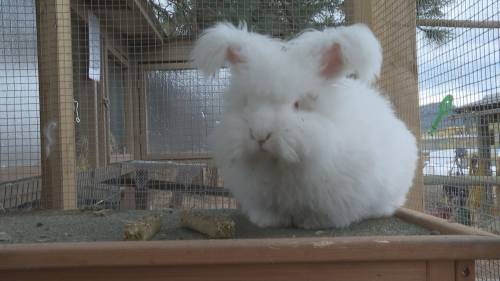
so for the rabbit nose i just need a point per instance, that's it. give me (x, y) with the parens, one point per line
(263, 140)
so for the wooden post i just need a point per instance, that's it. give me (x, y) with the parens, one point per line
(93, 109)
(136, 109)
(103, 111)
(394, 23)
(358, 11)
(56, 104)
(484, 144)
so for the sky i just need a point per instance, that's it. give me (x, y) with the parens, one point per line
(468, 65)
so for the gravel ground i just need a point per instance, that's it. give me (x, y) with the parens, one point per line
(80, 226)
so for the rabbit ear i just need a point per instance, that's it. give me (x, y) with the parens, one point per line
(361, 51)
(233, 56)
(218, 45)
(332, 61)
(342, 51)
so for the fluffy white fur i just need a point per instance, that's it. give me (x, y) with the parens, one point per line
(361, 50)
(340, 157)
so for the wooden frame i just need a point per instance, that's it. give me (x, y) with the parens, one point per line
(399, 69)
(144, 123)
(431, 258)
(112, 46)
(458, 23)
(411, 258)
(110, 50)
(55, 67)
(86, 93)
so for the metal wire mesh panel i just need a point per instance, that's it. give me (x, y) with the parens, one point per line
(101, 108)
(19, 105)
(94, 88)
(459, 80)
(393, 22)
(457, 58)
(461, 66)
(182, 108)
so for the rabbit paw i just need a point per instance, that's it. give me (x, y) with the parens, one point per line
(268, 219)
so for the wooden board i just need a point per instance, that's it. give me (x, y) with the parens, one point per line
(363, 258)
(438, 224)
(441, 270)
(248, 251)
(394, 24)
(430, 258)
(55, 70)
(362, 271)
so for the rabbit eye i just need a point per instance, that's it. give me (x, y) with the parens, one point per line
(306, 103)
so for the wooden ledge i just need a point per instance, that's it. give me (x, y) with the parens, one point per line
(438, 224)
(247, 251)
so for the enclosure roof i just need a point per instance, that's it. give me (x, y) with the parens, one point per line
(134, 19)
(487, 103)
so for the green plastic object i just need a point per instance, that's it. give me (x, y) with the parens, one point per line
(444, 107)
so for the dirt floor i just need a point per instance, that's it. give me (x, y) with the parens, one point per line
(88, 225)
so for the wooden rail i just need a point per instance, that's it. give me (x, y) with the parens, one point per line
(458, 23)
(247, 251)
(461, 180)
(57, 126)
(409, 258)
(438, 224)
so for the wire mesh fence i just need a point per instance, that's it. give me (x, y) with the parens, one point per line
(458, 79)
(458, 54)
(127, 93)
(99, 102)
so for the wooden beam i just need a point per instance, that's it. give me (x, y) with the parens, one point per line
(247, 251)
(131, 91)
(179, 156)
(461, 180)
(358, 11)
(171, 52)
(438, 224)
(109, 35)
(103, 109)
(93, 109)
(458, 23)
(394, 23)
(56, 104)
(359, 271)
(142, 111)
(85, 93)
(150, 18)
(484, 146)
(136, 93)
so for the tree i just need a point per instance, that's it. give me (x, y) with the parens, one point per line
(277, 17)
(433, 9)
(281, 18)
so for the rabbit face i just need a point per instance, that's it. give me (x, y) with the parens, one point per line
(269, 116)
(276, 85)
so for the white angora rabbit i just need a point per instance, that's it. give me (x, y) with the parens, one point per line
(301, 144)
